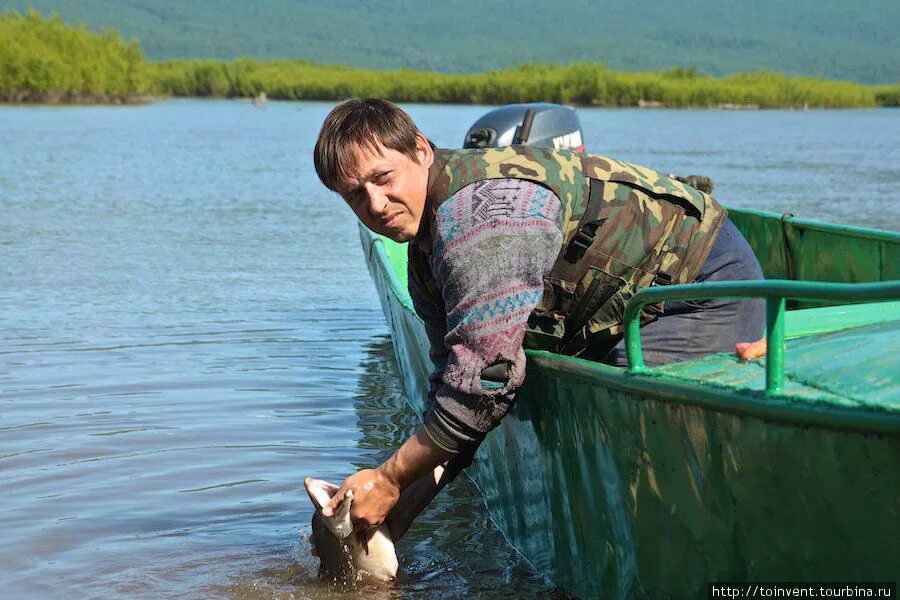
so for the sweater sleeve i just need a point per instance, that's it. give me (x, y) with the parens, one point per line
(431, 311)
(493, 242)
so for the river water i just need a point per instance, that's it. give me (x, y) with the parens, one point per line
(187, 329)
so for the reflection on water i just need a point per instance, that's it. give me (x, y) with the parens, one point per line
(187, 329)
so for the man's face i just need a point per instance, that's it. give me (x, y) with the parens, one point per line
(387, 191)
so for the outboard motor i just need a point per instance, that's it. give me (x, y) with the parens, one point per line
(548, 125)
(535, 124)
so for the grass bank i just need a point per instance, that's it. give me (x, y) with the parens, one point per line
(45, 60)
(887, 95)
(585, 84)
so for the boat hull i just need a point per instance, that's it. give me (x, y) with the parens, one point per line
(621, 486)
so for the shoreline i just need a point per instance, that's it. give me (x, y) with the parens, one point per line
(68, 102)
(144, 100)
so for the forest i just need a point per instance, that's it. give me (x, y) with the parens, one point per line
(42, 59)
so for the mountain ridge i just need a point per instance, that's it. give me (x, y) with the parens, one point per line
(819, 38)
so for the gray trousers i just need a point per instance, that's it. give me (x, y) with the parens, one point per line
(689, 329)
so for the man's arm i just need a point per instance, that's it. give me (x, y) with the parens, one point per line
(376, 491)
(418, 453)
(418, 456)
(493, 243)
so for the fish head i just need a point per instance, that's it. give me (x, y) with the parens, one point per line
(321, 492)
(340, 553)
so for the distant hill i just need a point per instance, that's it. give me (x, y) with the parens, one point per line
(836, 39)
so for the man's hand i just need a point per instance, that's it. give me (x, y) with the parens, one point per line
(751, 350)
(374, 495)
(376, 491)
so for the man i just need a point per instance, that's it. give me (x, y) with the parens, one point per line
(521, 246)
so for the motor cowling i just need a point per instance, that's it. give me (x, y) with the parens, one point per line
(536, 124)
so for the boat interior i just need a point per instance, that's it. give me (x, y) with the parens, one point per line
(838, 352)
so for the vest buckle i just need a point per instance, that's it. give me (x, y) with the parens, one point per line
(661, 279)
(581, 241)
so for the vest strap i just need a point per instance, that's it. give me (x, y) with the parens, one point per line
(598, 293)
(561, 278)
(587, 225)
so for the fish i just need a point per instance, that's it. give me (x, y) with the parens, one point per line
(341, 555)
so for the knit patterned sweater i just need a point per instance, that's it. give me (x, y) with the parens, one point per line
(490, 247)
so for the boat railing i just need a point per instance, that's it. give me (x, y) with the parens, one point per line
(790, 247)
(774, 291)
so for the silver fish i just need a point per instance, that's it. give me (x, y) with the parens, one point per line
(340, 554)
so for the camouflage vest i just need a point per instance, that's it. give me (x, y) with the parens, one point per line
(625, 228)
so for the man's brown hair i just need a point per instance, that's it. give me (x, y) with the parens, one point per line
(361, 123)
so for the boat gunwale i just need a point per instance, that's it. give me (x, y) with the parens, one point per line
(865, 233)
(723, 399)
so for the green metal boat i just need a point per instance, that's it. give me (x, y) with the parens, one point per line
(622, 483)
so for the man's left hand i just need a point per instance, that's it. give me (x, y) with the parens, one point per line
(751, 350)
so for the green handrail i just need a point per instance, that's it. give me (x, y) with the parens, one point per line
(774, 291)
